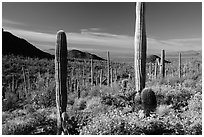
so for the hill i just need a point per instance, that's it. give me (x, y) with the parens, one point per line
(77, 54)
(17, 46)
(152, 58)
(82, 55)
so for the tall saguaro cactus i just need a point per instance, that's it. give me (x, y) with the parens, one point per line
(61, 77)
(162, 64)
(108, 67)
(140, 47)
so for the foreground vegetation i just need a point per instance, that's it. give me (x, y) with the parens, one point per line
(29, 105)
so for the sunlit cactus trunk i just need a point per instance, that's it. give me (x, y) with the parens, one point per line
(108, 68)
(162, 64)
(155, 67)
(101, 77)
(140, 47)
(61, 77)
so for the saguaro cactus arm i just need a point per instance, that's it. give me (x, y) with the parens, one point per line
(140, 47)
(61, 77)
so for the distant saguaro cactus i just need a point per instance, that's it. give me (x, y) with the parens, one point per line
(179, 65)
(83, 76)
(108, 67)
(101, 77)
(140, 47)
(61, 77)
(115, 72)
(155, 67)
(162, 64)
(92, 73)
(149, 101)
(111, 77)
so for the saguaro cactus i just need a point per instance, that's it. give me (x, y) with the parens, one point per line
(162, 64)
(61, 77)
(155, 67)
(111, 77)
(149, 101)
(115, 74)
(140, 47)
(101, 77)
(92, 74)
(83, 76)
(179, 65)
(108, 68)
(24, 80)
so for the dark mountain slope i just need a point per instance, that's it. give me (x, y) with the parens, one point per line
(82, 55)
(18, 46)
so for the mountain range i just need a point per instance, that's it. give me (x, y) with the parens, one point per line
(12, 44)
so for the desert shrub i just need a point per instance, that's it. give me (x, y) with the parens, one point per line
(22, 125)
(93, 105)
(91, 92)
(79, 104)
(10, 102)
(44, 97)
(115, 122)
(163, 110)
(177, 96)
(189, 83)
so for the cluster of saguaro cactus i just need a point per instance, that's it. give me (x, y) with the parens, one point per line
(60, 78)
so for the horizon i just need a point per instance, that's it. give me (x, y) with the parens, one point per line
(98, 27)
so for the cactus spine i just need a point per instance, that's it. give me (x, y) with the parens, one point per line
(108, 67)
(61, 77)
(140, 47)
(162, 64)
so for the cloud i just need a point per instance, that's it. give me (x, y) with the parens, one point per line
(175, 44)
(95, 40)
(7, 22)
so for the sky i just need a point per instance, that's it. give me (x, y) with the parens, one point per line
(100, 26)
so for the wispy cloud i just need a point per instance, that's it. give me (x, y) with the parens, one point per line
(175, 44)
(8, 22)
(93, 39)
